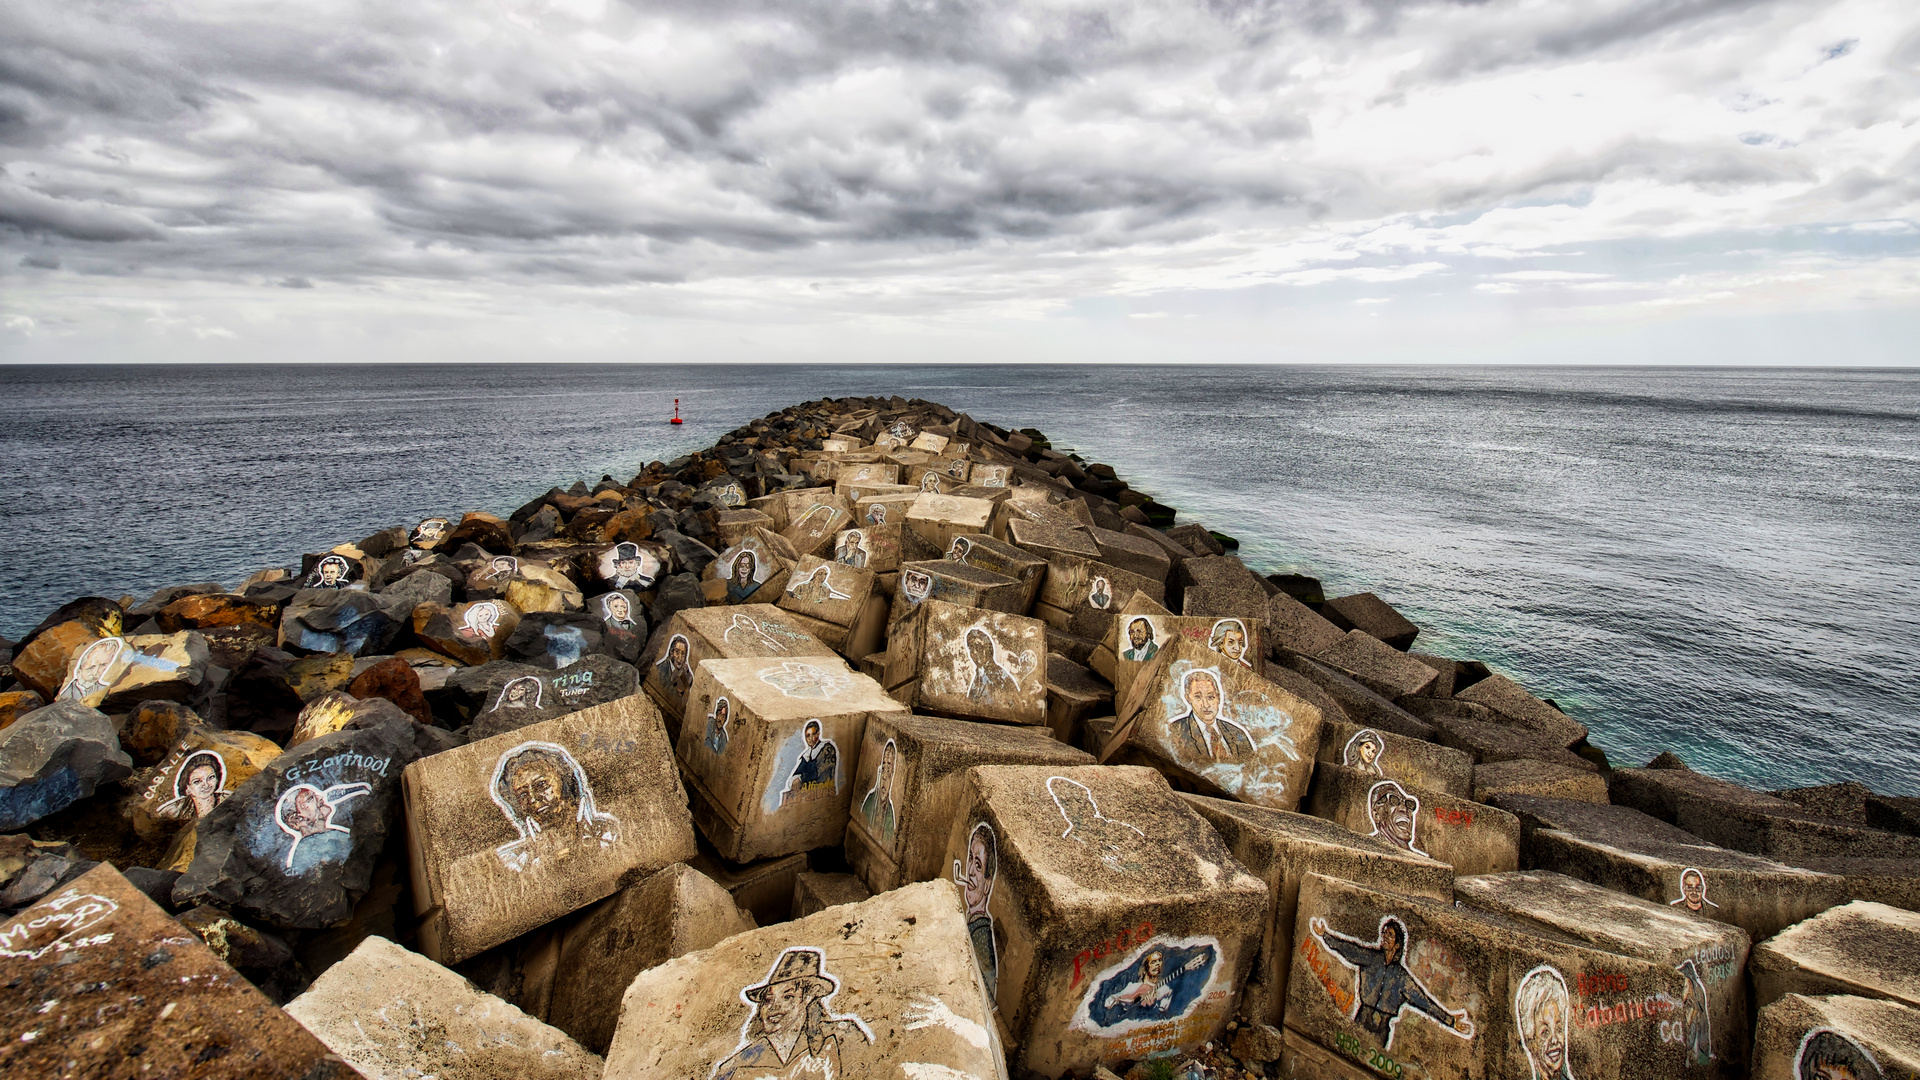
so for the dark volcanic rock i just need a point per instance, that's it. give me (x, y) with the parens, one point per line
(295, 845)
(54, 757)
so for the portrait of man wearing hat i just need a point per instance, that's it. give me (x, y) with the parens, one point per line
(791, 1033)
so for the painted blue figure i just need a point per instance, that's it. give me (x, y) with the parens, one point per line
(1162, 984)
(1383, 985)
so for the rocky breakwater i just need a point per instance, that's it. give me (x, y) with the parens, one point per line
(876, 741)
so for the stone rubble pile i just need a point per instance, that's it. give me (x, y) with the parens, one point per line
(876, 741)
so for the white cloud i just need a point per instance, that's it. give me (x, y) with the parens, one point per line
(672, 171)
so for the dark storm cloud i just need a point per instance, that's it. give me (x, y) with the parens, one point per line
(678, 140)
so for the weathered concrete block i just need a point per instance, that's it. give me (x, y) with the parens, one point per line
(1836, 1038)
(1282, 848)
(1860, 948)
(1388, 756)
(1372, 616)
(396, 1015)
(1471, 837)
(1108, 917)
(1506, 697)
(885, 988)
(1529, 776)
(514, 831)
(956, 583)
(1412, 988)
(970, 663)
(1213, 722)
(910, 783)
(818, 892)
(999, 557)
(763, 746)
(670, 913)
(102, 982)
(1378, 666)
(725, 633)
(1711, 956)
(1622, 849)
(1298, 627)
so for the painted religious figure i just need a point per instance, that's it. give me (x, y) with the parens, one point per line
(877, 808)
(1204, 730)
(1385, 990)
(817, 768)
(790, 1030)
(544, 793)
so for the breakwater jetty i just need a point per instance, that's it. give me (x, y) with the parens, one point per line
(879, 741)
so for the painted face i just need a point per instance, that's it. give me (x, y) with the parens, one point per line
(1234, 644)
(310, 812)
(540, 792)
(1138, 633)
(976, 888)
(980, 646)
(203, 782)
(784, 1007)
(1550, 1028)
(1203, 696)
(1694, 887)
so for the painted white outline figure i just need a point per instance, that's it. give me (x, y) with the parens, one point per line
(537, 810)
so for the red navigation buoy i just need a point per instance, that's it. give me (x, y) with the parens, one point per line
(676, 412)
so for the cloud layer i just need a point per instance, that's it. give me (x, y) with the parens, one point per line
(598, 173)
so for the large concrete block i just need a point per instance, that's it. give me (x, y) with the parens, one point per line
(1471, 837)
(1711, 956)
(1111, 922)
(764, 747)
(673, 912)
(718, 633)
(1213, 722)
(1416, 989)
(396, 1015)
(1388, 756)
(1282, 848)
(511, 832)
(1622, 849)
(1836, 1038)
(910, 782)
(1506, 697)
(887, 988)
(1372, 616)
(1861, 948)
(970, 663)
(101, 982)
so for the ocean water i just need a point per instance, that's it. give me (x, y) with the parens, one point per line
(1725, 563)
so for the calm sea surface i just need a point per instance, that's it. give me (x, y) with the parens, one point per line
(1723, 563)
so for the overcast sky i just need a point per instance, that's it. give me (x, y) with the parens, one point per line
(1651, 181)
